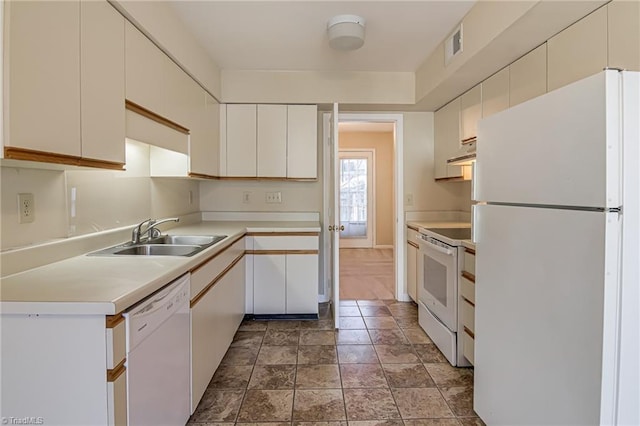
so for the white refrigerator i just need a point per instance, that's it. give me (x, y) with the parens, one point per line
(556, 232)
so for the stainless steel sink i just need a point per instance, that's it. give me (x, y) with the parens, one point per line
(159, 250)
(165, 245)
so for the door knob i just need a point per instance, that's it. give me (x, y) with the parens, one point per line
(342, 227)
(330, 228)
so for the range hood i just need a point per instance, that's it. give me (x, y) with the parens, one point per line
(465, 156)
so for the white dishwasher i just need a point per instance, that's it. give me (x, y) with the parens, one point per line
(158, 358)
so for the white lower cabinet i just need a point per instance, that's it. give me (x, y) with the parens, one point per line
(412, 265)
(216, 314)
(269, 284)
(285, 274)
(466, 305)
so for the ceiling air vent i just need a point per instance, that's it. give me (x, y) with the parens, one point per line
(453, 45)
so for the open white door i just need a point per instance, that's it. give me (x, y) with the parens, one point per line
(334, 216)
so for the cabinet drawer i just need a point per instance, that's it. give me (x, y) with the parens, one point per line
(204, 274)
(411, 235)
(469, 263)
(117, 401)
(468, 346)
(468, 289)
(285, 242)
(467, 314)
(116, 344)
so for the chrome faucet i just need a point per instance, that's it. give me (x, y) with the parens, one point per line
(151, 230)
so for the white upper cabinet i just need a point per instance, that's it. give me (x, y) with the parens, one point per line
(272, 140)
(495, 93)
(624, 34)
(102, 82)
(470, 113)
(579, 51)
(447, 139)
(302, 141)
(528, 76)
(204, 151)
(241, 140)
(144, 71)
(184, 98)
(42, 87)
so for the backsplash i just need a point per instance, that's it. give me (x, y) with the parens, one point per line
(79, 202)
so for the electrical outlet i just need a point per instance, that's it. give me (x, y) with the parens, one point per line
(26, 210)
(246, 197)
(408, 199)
(273, 197)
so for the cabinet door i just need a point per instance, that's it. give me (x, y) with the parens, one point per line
(495, 93)
(272, 141)
(302, 283)
(412, 272)
(117, 401)
(214, 320)
(241, 140)
(269, 284)
(204, 148)
(470, 112)
(579, 51)
(43, 50)
(624, 34)
(102, 82)
(447, 139)
(302, 141)
(528, 76)
(145, 67)
(183, 96)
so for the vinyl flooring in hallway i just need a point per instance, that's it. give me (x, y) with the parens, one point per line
(380, 368)
(367, 274)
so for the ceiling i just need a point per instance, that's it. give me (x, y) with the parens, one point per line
(291, 35)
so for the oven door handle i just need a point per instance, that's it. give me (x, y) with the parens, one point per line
(435, 247)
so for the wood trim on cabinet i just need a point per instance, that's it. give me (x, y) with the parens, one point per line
(468, 140)
(451, 179)
(468, 301)
(202, 176)
(112, 321)
(469, 332)
(413, 228)
(283, 234)
(268, 178)
(213, 256)
(267, 252)
(470, 251)
(411, 243)
(139, 109)
(13, 153)
(469, 276)
(113, 374)
(209, 286)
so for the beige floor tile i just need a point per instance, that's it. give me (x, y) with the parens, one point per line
(371, 303)
(471, 421)
(376, 423)
(320, 324)
(375, 311)
(247, 339)
(317, 337)
(318, 405)
(218, 405)
(356, 337)
(231, 377)
(277, 355)
(253, 325)
(276, 337)
(396, 354)
(283, 325)
(388, 337)
(460, 400)
(352, 323)
(416, 335)
(348, 302)
(266, 406)
(421, 403)
(429, 353)
(325, 354)
(370, 404)
(380, 323)
(354, 354)
(273, 377)
(447, 376)
(408, 376)
(349, 311)
(318, 376)
(240, 356)
(362, 376)
(432, 422)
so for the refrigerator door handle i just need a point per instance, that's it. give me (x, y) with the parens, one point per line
(474, 223)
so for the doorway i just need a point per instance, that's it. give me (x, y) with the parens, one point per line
(357, 220)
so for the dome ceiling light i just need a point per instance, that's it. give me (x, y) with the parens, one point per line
(346, 32)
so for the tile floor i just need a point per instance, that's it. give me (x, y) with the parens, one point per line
(380, 368)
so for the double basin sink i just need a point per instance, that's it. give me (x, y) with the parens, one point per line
(165, 245)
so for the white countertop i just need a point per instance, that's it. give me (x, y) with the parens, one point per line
(95, 285)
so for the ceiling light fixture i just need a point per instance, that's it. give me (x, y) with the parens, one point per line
(346, 32)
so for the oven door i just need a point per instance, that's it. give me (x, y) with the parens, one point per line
(437, 281)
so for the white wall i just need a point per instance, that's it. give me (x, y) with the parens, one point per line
(103, 200)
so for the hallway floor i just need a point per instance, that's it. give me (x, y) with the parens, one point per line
(367, 274)
(380, 368)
